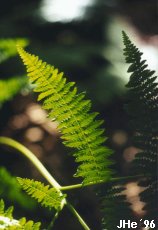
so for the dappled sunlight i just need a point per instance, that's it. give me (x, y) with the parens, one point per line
(34, 134)
(36, 114)
(119, 137)
(132, 192)
(19, 121)
(130, 153)
(65, 11)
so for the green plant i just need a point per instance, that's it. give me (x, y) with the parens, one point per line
(8, 47)
(10, 189)
(143, 109)
(11, 86)
(81, 131)
(9, 223)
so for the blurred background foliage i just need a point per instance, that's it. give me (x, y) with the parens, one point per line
(83, 39)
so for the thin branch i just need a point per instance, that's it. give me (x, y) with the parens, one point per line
(73, 210)
(53, 220)
(76, 186)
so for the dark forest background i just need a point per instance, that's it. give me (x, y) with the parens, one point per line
(89, 51)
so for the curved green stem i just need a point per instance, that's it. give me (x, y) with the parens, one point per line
(28, 154)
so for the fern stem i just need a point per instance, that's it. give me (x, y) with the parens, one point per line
(28, 154)
(73, 210)
(53, 220)
(76, 186)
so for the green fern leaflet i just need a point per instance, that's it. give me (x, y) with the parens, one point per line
(78, 126)
(7, 221)
(48, 197)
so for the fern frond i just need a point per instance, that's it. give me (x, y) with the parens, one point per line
(10, 87)
(48, 197)
(143, 108)
(10, 189)
(7, 221)
(142, 105)
(114, 206)
(79, 128)
(8, 47)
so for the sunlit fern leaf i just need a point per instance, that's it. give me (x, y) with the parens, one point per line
(79, 128)
(11, 190)
(48, 197)
(143, 108)
(7, 221)
(10, 87)
(8, 47)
